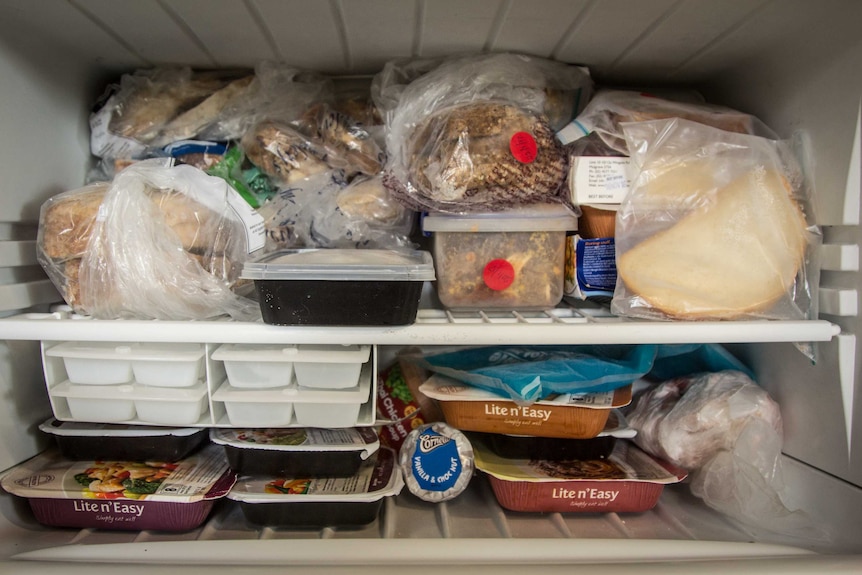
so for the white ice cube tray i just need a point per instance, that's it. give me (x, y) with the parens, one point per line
(184, 384)
(256, 366)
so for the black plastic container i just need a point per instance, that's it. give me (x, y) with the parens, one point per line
(313, 504)
(297, 452)
(340, 287)
(85, 441)
(548, 448)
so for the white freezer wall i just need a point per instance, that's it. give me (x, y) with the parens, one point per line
(794, 63)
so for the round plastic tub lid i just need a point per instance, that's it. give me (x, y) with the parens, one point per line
(540, 217)
(342, 265)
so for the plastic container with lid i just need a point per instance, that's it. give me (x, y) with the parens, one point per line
(83, 440)
(309, 452)
(346, 287)
(106, 363)
(315, 366)
(627, 481)
(124, 495)
(503, 260)
(303, 502)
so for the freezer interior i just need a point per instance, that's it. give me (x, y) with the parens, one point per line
(794, 64)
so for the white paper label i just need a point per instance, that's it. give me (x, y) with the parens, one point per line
(599, 179)
(251, 219)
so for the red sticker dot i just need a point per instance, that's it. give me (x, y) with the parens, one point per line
(498, 274)
(523, 147)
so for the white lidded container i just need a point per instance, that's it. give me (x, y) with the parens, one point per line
(108, 363)
(295, 406)
(330, 366)
(257, 366)
(103, 404)
(95, 363)
(182, 406)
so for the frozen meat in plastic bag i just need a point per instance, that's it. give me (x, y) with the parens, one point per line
(157, 242)
(717, 225)
(474, 132)
(727, 432)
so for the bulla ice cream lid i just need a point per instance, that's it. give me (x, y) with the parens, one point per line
(363, 439)
(437, 462)
(377, 477)
(627, 462)
(202, 476)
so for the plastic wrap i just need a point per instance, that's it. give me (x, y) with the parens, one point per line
(154, 107)
(609, 109)
(158, 242)
(727, 432)
(278, 92)
(475, 133)
(348, 145)
(324, 211)
(717, 225)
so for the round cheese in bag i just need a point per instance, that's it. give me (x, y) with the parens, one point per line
(734, 255)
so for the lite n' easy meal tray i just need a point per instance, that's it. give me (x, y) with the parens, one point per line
(581, 416)
(331, 397)
(627, 481)
(123, 495)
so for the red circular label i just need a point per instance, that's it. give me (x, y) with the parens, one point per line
(498, 274)
(523, 147)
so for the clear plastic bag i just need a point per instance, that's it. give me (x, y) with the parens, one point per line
(278, 92)
(158, 242)
(727, 432)
(717, 225)
(348, 145)
(609, 109)
(324, 211)
(474, 133)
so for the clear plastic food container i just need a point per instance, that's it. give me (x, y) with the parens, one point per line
(347, 287)
(502, 260)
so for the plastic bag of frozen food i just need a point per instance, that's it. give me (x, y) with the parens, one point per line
(278, 92)
(473, 134)
(717, 225)
(609, 109)
(727, 431)
(325, 211)
(348, 145)
(154, 107)
(157, 242)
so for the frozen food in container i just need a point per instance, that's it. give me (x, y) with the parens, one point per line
(257, 365)
(83, 440)
(95, 363)
(501, 260)
(627, 481)
(348, 287)
(311, 407)
(113, 494)
(512, 446)
(323, 502)
(310, 452)
(573, 416)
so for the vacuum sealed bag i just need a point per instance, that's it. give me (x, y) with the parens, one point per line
(717, 225)
(158, 242)
(476, 133)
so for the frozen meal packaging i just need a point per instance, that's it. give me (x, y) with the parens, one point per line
(310, 452)
(302, 502)
(627, 481)
(82, 440)
(573, 416)
(122, 495)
